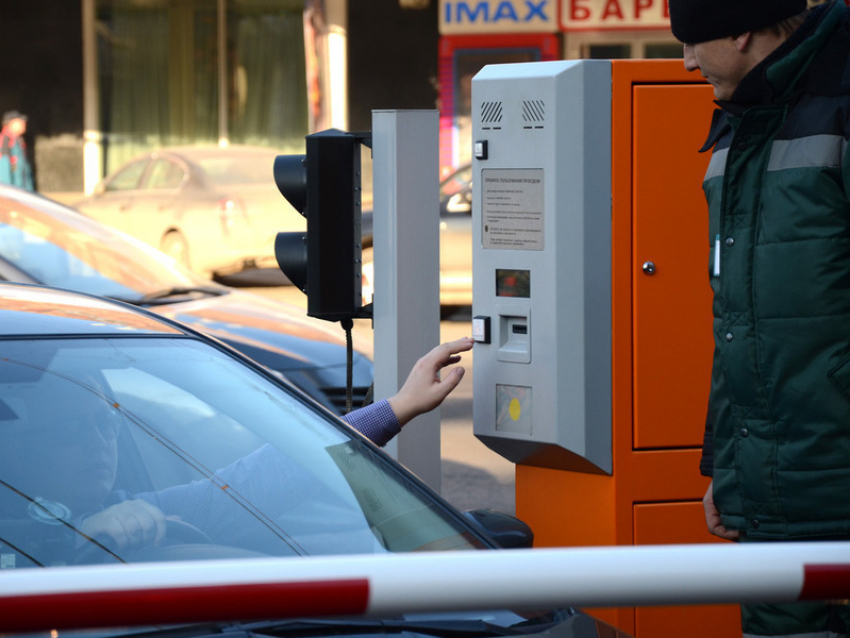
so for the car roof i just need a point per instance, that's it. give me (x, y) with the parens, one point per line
(28, 310)
(196, 153)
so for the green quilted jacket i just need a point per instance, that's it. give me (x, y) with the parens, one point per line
(778, 428)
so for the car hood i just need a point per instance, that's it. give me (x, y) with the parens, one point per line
(283, 341)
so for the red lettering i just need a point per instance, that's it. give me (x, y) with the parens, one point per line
(666, 12)
(612, 8)
(578, 10)
(640, 5)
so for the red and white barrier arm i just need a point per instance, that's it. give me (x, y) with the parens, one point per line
(154, 593)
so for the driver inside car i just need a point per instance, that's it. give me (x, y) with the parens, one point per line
(74, 439)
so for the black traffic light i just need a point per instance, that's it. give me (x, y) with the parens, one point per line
(324, 186)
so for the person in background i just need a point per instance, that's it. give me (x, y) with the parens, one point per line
(14, 166)
(777, 438)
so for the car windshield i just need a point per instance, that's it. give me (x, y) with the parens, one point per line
(238, 466)
(57, 246)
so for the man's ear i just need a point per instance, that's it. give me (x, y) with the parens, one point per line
(742, 42)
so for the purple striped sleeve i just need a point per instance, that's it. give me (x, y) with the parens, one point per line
(377, 422)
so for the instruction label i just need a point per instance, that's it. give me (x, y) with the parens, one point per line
(512, 211)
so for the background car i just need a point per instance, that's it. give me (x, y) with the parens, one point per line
(106, 409)
(44, 242)
(455, 242)
(456, 238)
(215, 210)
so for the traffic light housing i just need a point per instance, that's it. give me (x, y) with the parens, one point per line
(324, 185)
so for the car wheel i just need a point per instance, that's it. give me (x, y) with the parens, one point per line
(174, 245)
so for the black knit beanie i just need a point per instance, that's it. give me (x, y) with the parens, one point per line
(694, 21)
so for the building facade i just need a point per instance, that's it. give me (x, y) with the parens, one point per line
(102, 80)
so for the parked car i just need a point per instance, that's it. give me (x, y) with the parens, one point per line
(456, 238)
(455, 242)
(103, 405)
(215, 210)
(44, 242)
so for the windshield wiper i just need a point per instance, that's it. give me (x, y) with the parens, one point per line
(448, 628)
(165, 295)
(327, 628)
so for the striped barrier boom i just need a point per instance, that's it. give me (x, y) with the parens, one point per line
(382, 585)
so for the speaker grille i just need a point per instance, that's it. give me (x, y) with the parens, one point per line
(533, 113)
(491, 115)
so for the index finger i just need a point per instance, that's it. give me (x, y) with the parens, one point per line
(458, 345)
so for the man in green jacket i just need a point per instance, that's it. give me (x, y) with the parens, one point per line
(777, 442)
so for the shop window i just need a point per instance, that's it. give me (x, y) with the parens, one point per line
(663, 50)
(161, 66)
(609, 51)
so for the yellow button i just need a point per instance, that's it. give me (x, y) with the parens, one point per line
(514, 409)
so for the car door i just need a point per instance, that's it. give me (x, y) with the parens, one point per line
(160, 209)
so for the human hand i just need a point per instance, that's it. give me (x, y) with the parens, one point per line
(424, 390)
(712, 517)
(131, 524)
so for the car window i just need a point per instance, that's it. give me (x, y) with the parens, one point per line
(59, 247)
(128, 177)
(240, 466)
(165, 174)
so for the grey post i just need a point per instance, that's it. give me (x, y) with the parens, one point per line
(406, 219)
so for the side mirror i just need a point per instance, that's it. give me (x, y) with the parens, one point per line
(507, 531)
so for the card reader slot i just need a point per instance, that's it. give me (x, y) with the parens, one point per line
(514, 338)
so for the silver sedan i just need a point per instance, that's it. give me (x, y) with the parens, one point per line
(215, 210)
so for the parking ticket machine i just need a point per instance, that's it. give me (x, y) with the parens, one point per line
(542, 263)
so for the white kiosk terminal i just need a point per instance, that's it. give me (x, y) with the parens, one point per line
(542, 263)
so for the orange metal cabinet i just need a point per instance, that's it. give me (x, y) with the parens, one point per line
(681, 522)
(662, 344)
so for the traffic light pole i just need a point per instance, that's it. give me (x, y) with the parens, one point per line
(406, 249)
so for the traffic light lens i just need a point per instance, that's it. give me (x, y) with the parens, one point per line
(290, 175)
(290, 250)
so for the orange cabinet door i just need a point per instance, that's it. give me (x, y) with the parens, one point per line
(666, 523)
(671, 293)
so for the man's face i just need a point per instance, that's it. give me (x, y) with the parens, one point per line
(721, 63)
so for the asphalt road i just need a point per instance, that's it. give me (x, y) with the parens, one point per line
(473, 476)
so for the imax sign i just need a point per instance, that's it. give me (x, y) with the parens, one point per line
(498, 16)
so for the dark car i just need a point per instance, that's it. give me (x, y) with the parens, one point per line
(44, 242)
(105, 407)
(215, 210)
